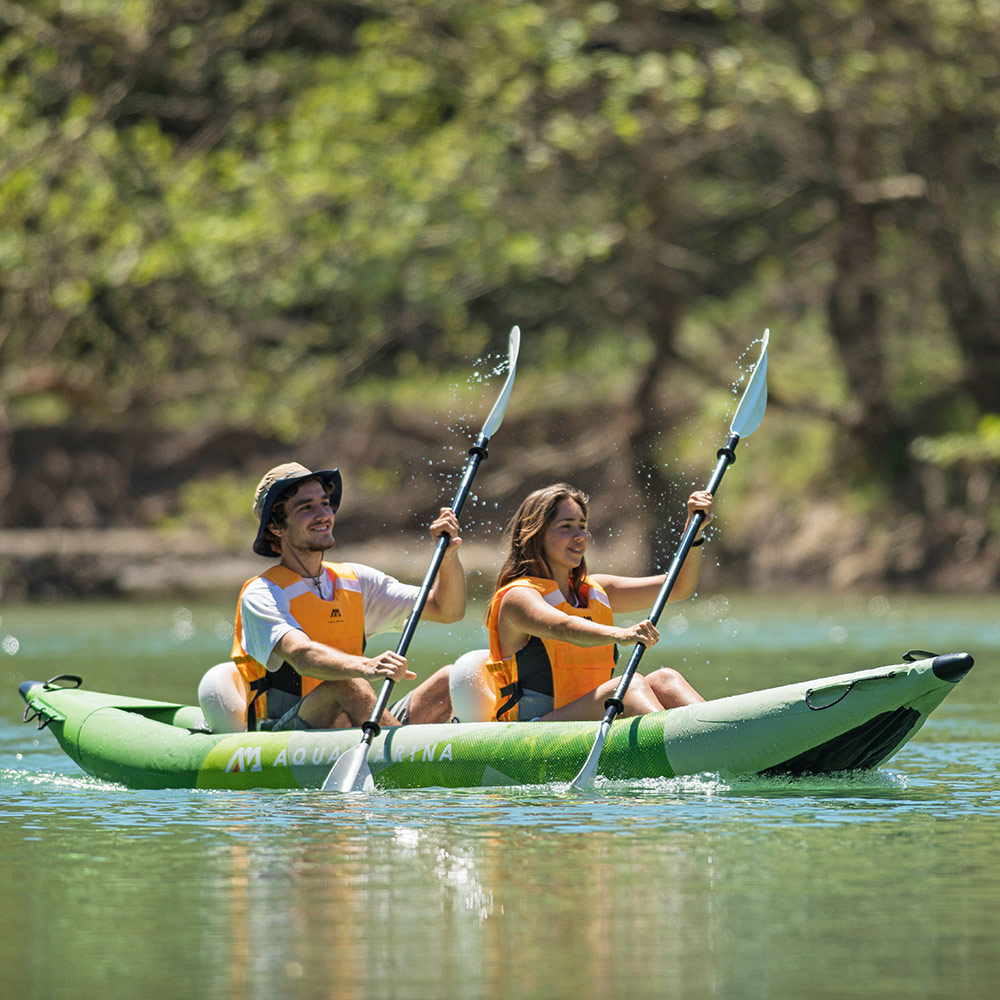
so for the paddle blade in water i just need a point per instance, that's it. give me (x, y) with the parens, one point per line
(496, 416)
(351, 773)
(750, 412)
(585, 778)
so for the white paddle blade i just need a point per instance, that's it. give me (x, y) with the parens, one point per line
(586, 776)
(750, 412)
(351, 772)
(496, 416)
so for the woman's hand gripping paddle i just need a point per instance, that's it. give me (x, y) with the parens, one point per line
(748, 416)
(351, 773)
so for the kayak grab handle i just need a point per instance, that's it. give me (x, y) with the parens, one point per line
(850, 687)
(946, 667)
(31, 714)
(28, 708)
(47, 715)
(53, 682)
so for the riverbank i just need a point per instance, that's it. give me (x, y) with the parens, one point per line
(825, 551)
(55, 564)
(134, 514)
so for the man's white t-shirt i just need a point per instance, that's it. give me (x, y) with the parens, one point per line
(266, 614)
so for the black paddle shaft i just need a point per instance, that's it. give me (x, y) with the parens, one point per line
(478, 452)
(726, 455)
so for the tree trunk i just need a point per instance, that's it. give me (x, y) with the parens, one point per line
(875, 446)
(645, 438)
(975, 319)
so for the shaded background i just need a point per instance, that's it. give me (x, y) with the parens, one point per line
(237, 232)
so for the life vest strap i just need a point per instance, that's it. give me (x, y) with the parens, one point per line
(513, 693)
(286, 678)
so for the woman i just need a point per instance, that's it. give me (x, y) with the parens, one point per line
(551, 623)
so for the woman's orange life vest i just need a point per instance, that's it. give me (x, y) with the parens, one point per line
(339, 623)
(550, 666)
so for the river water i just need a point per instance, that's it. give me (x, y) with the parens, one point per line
(884, 884)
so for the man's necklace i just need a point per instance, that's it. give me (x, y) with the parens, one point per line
(305, 573)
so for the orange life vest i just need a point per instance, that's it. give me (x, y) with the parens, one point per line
(339, 623)
(550, 666)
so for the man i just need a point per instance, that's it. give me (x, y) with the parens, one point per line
(301, 626)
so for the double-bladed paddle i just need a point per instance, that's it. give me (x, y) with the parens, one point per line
(747, 419)
(351, 773)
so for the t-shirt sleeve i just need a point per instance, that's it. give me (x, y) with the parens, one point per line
(388, 602)
(266, 617)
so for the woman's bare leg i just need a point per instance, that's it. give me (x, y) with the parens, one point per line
(639, 700)
(670, 688)
(431, 700)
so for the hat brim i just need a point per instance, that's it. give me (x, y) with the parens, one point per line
(332, 482)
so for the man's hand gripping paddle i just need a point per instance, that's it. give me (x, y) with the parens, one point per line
(351, 773)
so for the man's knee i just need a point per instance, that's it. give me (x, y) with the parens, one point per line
(329, 704)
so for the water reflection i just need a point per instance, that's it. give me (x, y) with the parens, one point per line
(877, 885)
(412, 894)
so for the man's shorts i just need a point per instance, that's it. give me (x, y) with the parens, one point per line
(402, 709)
(291, 721)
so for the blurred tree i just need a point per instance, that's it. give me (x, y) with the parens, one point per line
(905, 121)
(234, 213)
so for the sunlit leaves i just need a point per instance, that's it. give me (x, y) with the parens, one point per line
(214, 197)
(980, 445)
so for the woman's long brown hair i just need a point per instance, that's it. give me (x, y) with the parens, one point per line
(526, 531)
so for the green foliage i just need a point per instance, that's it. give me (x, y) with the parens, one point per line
(218, 508)
(232, 214)
(980, 445)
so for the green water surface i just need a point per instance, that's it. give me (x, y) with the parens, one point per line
(885, 884)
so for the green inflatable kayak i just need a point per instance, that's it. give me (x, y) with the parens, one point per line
(852, 721)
